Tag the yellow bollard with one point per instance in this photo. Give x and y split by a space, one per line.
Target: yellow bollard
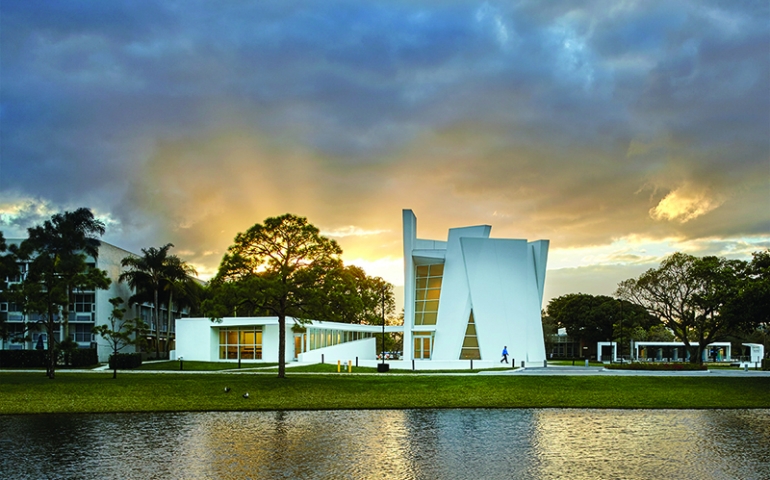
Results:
338 366
350 366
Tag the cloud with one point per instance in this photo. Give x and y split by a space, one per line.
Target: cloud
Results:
351 231
686 203
586 123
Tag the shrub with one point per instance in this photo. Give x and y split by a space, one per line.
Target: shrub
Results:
126 361
656 366
83 357
23 358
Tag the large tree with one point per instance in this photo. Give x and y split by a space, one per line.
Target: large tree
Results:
594 318
352 296
278 267
153 273
9 269
58 252
690 294
750 305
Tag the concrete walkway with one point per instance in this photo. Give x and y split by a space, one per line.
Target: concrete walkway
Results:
601 371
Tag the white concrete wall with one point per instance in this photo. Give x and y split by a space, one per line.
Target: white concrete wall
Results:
505 298
197 340
455 301
109 260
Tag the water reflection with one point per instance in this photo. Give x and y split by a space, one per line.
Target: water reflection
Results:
652 444
408 444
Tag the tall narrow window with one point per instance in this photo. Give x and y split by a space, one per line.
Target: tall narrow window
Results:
470 349
427 292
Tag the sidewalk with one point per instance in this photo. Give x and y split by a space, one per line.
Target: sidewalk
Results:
583 371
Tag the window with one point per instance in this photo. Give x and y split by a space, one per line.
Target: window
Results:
427 292
240 343
423 343
470 350
84 302
81 332
320 337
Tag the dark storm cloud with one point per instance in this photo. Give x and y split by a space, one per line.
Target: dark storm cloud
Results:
582 122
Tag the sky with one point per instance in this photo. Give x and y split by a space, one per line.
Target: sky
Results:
622 131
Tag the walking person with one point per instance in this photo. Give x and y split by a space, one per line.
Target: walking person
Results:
505 355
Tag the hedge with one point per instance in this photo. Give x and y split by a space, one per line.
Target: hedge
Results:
23 358
656 366
82 357
126 361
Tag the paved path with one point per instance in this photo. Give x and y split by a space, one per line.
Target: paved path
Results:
553 370
583 371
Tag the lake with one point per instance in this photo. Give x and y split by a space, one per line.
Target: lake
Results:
400 444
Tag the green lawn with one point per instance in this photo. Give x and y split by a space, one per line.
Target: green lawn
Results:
22 392
195 366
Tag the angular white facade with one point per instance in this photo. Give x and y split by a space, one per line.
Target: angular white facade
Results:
471 295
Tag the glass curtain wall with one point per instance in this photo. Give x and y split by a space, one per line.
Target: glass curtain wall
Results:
427 291
324 337
243 343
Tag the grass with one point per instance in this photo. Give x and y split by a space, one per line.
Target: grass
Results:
195 366
27 393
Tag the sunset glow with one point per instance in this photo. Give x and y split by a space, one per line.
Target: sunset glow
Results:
620 131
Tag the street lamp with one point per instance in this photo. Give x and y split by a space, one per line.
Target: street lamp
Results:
383 367
620 350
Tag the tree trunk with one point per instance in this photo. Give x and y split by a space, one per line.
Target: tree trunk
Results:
281 345
168 322
51 369
156 315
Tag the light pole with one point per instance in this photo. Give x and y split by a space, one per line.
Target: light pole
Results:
382 297
383 367
620 350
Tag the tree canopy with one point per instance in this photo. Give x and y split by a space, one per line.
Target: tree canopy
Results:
57 253
595 318
703 299
286 268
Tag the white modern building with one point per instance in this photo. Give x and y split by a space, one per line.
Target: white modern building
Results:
255 340
470 295
466 298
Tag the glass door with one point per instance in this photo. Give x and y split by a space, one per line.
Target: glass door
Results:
422 347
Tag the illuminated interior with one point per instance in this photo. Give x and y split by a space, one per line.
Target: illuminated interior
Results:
427 292
243 343
470 349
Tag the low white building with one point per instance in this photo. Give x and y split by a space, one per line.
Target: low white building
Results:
255 340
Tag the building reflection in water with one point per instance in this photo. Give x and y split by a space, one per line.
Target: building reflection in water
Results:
298 444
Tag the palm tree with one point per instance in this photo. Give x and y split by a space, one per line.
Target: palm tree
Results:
152 274
145 275
178 281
